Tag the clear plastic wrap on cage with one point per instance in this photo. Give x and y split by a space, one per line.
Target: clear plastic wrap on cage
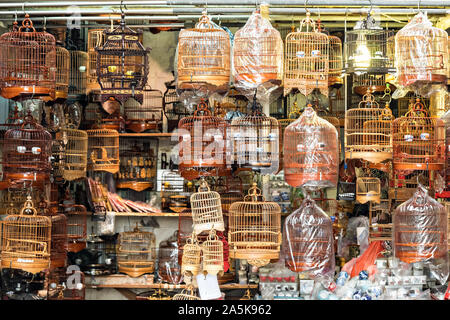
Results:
420 233
107 227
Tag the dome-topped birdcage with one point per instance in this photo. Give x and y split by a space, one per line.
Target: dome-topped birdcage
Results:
95 38
103 150
78 72
418 140
27 62
202 147
192 256
126 76
257 54
203 56
255 141
62 73
368 131
254 229
306 63
148 116
311 152
421 52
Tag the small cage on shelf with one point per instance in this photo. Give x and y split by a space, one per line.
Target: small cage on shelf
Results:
62 73
78 72
148 116
186 294
103 150
169 271
192 256
380 221
368 189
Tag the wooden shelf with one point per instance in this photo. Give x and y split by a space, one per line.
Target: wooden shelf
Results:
158 214
148 135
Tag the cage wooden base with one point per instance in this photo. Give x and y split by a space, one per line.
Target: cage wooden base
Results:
335 81
60 95
362 90
26 176
11 92
76 246
214 270
136 269
374 157
254 254
257 77
135 185
141 126
415 78
297 180
186 82
368 197
31 266
418 166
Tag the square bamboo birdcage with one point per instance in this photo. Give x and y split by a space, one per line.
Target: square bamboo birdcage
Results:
148 116
306 63
26 240
255 229
192 256
212 250
380 221
62 73
368 131
136 252
418 140
65 284
78 72
368 189
72 149
206 209
204 56
103 150
96 38
27 62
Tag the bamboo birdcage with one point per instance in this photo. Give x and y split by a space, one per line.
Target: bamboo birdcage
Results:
173 108
78 72
76 225
418 140
255 141
335 61
192 256
368 189
368 131
293 115
147 116
203 56
206 209
62 73
212 250
439 103
136 252
255 229
257 54
27 62
186 294
233 192
169 270
58 252
26 240
364 83
311 154
202 139
421 53
103 150
26 152
306 63
96 38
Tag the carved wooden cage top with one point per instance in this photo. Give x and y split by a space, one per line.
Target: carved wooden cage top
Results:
147 116
62 72
103 150
27 62
78 72
71 153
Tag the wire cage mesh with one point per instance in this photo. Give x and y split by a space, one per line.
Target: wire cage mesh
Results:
203 56
202 149
255 229
192 256
65 284
26 240
380 221
136 252
148 116
62 73
206 209
212 250
71 153
232 192
418 140
27 62
95 38
78 72
368 189
368 131
169 271
335 59
103 150
306 63
311 152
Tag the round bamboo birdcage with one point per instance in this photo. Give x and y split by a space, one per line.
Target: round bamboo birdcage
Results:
206 209
103 150
368 189
96 38
78 72
255 141
255 229
311 154
148 116
62 73
212 250
26 152
257 54
203 56
136 252
26 240
186 294
368 131
202 139
192 256
421 53
76 226
418 140
306 63
27 63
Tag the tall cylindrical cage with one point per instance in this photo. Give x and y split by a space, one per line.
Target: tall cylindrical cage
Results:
335 62
71 153
76 224
103 150
212 250
62 73
192 256
148 116
78 72
96 38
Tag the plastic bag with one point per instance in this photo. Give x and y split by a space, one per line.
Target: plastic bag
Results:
420 233
366 260
168 268
308 241
107 227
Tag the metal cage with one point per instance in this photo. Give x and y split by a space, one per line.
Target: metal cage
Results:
103 150
206 209
78 72
148 116
71 155
62 73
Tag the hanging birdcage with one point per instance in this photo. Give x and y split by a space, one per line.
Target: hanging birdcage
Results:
368 189
65 284
27 63
122 64
78 72
202 148
364 83
203 56
103 150
406 102
255 141
418 140
62 73
186 294
335 61
212 250
192 256
147 116
233 192
308 241
173 108
26 240
439 103
311 154
76 225
136 252
96 38
255 229
421 53
257 54
169 271
402 185
306 63
26 152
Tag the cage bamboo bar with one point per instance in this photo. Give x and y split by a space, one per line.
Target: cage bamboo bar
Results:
103 150
62 73
76 224
96 38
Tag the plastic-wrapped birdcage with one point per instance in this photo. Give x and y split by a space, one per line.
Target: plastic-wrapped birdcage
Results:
27 62
78 72
306 62
368 189
192 256
148 116
103 150
368 131
421 52
62 73
308 241
212 250
169 271
257 55
311 152
206 209
420 233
